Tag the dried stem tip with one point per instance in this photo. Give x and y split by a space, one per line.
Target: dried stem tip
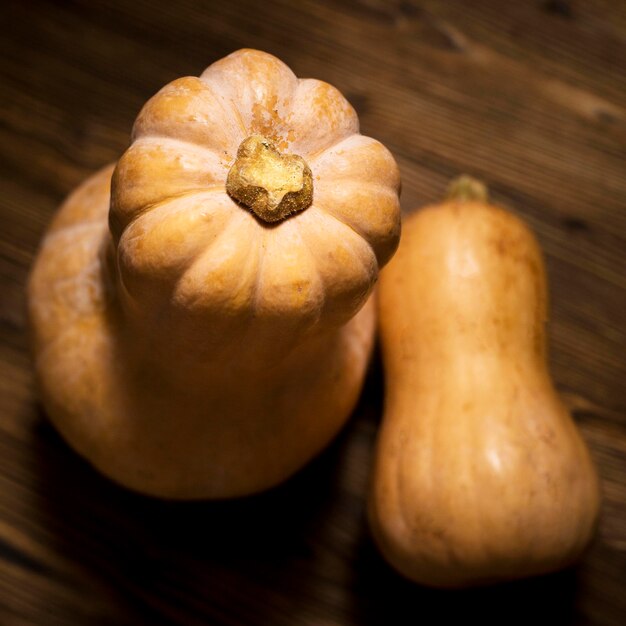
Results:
467 189
272 185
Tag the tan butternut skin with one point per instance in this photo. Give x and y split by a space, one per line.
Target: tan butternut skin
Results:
161 415
201 325
480 474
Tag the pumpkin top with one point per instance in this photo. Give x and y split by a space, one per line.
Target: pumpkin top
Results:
251 191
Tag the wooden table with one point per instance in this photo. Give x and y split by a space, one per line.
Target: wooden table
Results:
529 96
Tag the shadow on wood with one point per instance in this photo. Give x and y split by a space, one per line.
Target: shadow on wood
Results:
292 555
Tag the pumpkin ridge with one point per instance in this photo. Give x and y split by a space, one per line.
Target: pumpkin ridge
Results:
256 295
318 276
148 121
245 131
204 196
357 148
315 213
233 225
367 208
246 336
151 171
159 203
234 113
187 142
369 187
326 110
307 277
129 271
243 60
336 145
312 157
330 213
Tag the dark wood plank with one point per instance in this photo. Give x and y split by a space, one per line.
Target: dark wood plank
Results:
529 96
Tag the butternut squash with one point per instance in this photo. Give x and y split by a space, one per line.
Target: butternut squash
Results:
200 311
480 473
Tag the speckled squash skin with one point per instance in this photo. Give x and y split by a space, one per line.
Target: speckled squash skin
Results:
480 474
185 347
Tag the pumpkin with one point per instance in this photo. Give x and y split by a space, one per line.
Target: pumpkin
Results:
480 473
201 311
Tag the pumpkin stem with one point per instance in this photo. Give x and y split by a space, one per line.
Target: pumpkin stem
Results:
272 185
467 189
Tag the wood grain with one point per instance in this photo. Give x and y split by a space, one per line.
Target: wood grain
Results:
529 96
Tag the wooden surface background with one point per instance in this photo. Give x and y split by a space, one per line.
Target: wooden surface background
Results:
530 96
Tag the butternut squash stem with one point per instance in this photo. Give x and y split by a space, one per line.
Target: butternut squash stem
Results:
467 189
270 184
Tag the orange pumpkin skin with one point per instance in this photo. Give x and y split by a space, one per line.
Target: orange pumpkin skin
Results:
480 475
185 347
